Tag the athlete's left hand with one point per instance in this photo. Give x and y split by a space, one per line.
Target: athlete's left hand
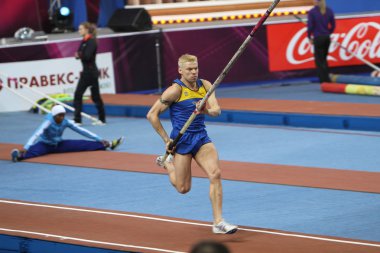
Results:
202 110
106 143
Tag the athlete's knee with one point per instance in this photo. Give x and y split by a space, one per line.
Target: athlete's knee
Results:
183 189
215 174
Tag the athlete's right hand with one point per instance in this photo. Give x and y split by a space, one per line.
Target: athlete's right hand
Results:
168 149
77 55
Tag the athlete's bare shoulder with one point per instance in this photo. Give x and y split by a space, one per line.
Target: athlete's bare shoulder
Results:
206 84
171 94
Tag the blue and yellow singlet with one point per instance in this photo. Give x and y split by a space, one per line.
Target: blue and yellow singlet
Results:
181 110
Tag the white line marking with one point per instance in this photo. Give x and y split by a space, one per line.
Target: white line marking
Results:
192 223
312 237
62 237
104 212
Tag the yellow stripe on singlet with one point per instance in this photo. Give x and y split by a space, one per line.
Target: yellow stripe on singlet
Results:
191 94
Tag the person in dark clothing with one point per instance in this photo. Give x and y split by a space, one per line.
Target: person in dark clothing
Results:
89 75
320 24
209 246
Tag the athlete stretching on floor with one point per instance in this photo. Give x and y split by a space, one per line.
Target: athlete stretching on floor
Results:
48 138
181 99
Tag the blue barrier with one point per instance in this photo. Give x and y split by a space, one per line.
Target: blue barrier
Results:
260 118
355 79
17 244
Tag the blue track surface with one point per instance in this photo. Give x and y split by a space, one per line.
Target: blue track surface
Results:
324 148
299 209
316 211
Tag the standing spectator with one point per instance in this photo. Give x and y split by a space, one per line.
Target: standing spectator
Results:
320 25
90 73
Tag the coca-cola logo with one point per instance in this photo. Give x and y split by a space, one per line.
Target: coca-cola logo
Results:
361 41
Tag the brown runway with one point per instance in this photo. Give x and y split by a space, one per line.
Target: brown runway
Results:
349 180
146 233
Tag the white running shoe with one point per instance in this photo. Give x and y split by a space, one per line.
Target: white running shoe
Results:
98 123
224 227
159 161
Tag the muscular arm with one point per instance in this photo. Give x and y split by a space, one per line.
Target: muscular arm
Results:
161 105
332 22
310 25
37 134
83 131
213 108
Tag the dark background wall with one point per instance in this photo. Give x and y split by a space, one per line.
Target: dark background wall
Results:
34 13
135 56
21 13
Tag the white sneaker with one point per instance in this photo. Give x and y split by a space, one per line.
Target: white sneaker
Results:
224 227
159 161
98 123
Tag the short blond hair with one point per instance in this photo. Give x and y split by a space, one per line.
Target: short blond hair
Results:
186 58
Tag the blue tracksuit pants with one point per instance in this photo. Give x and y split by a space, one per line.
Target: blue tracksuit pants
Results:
41 148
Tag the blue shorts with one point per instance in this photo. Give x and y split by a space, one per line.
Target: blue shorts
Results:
190 143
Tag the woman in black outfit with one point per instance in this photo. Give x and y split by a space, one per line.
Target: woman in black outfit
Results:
320 26
90 74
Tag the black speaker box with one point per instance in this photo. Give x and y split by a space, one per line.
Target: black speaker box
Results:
130 20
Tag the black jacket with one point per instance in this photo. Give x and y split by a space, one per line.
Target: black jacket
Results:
87 54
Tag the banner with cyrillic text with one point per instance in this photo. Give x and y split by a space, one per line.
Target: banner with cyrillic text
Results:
51 76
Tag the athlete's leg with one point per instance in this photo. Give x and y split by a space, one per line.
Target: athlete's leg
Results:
78 97
38 149
79 145
207 159
180 172
95 96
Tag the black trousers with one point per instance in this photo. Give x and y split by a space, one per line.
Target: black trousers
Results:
88 79
321 50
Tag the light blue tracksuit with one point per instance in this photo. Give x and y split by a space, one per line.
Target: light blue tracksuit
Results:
48 139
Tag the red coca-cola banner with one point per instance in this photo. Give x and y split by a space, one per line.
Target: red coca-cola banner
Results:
289 47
